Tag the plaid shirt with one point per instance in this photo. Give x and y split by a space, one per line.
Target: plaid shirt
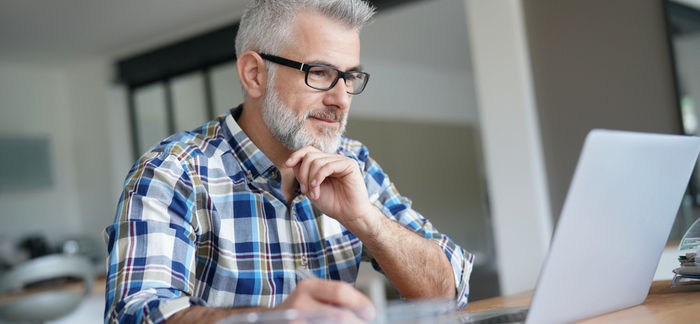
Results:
202 220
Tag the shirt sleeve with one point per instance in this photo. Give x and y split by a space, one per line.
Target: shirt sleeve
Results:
383 195
151 245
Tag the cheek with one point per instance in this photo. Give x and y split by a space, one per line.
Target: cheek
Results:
299 97
304 102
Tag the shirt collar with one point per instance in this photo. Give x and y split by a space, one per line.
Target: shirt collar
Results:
250 157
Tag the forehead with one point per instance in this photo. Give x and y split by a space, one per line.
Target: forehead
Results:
318 38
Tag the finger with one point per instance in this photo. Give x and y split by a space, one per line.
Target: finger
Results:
302 186
302 172
301 160
298 155
327 167
340 294
319 169
313 310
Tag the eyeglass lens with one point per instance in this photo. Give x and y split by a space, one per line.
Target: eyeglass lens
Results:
322 78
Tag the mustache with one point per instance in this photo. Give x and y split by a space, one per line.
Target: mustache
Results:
328 113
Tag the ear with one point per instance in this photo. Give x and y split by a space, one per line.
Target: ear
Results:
252 72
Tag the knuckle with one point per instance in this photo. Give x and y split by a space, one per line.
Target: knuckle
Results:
316 163
308 162
324 170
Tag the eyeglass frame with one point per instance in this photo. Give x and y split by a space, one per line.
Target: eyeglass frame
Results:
306 67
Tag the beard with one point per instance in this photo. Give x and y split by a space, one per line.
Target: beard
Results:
289 127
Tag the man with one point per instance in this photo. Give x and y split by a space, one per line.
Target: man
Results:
221 220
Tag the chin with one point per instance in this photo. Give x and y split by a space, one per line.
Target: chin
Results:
327 144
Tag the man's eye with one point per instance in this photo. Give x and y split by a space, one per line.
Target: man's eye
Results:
319 73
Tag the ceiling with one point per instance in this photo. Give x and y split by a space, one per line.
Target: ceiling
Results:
54 31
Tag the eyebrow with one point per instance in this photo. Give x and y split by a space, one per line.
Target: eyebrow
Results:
357 68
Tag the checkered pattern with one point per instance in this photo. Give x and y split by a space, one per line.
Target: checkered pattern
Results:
202 220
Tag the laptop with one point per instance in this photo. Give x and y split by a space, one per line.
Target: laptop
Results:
616 219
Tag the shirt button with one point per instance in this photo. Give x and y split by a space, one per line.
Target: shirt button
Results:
274 175
303 262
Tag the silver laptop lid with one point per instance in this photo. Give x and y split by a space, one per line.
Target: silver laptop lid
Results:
616 219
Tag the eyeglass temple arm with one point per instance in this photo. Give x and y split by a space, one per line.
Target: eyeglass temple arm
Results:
283 61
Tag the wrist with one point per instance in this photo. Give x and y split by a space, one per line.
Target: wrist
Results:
368 224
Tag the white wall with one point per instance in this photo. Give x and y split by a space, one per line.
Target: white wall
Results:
79 110
34 101
419 64
99 135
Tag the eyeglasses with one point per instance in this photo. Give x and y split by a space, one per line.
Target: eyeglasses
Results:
324 77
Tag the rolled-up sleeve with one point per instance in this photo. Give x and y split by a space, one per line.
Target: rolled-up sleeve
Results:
152 244
383 195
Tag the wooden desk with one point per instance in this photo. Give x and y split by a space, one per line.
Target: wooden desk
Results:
663 305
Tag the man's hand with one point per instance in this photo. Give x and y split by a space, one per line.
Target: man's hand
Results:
336 301
331 300
416 267
336 186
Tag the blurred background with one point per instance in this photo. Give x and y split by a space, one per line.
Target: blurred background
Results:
476 109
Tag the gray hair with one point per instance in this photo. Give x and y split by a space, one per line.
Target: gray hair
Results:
267 25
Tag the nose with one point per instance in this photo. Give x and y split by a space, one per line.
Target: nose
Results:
338 96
